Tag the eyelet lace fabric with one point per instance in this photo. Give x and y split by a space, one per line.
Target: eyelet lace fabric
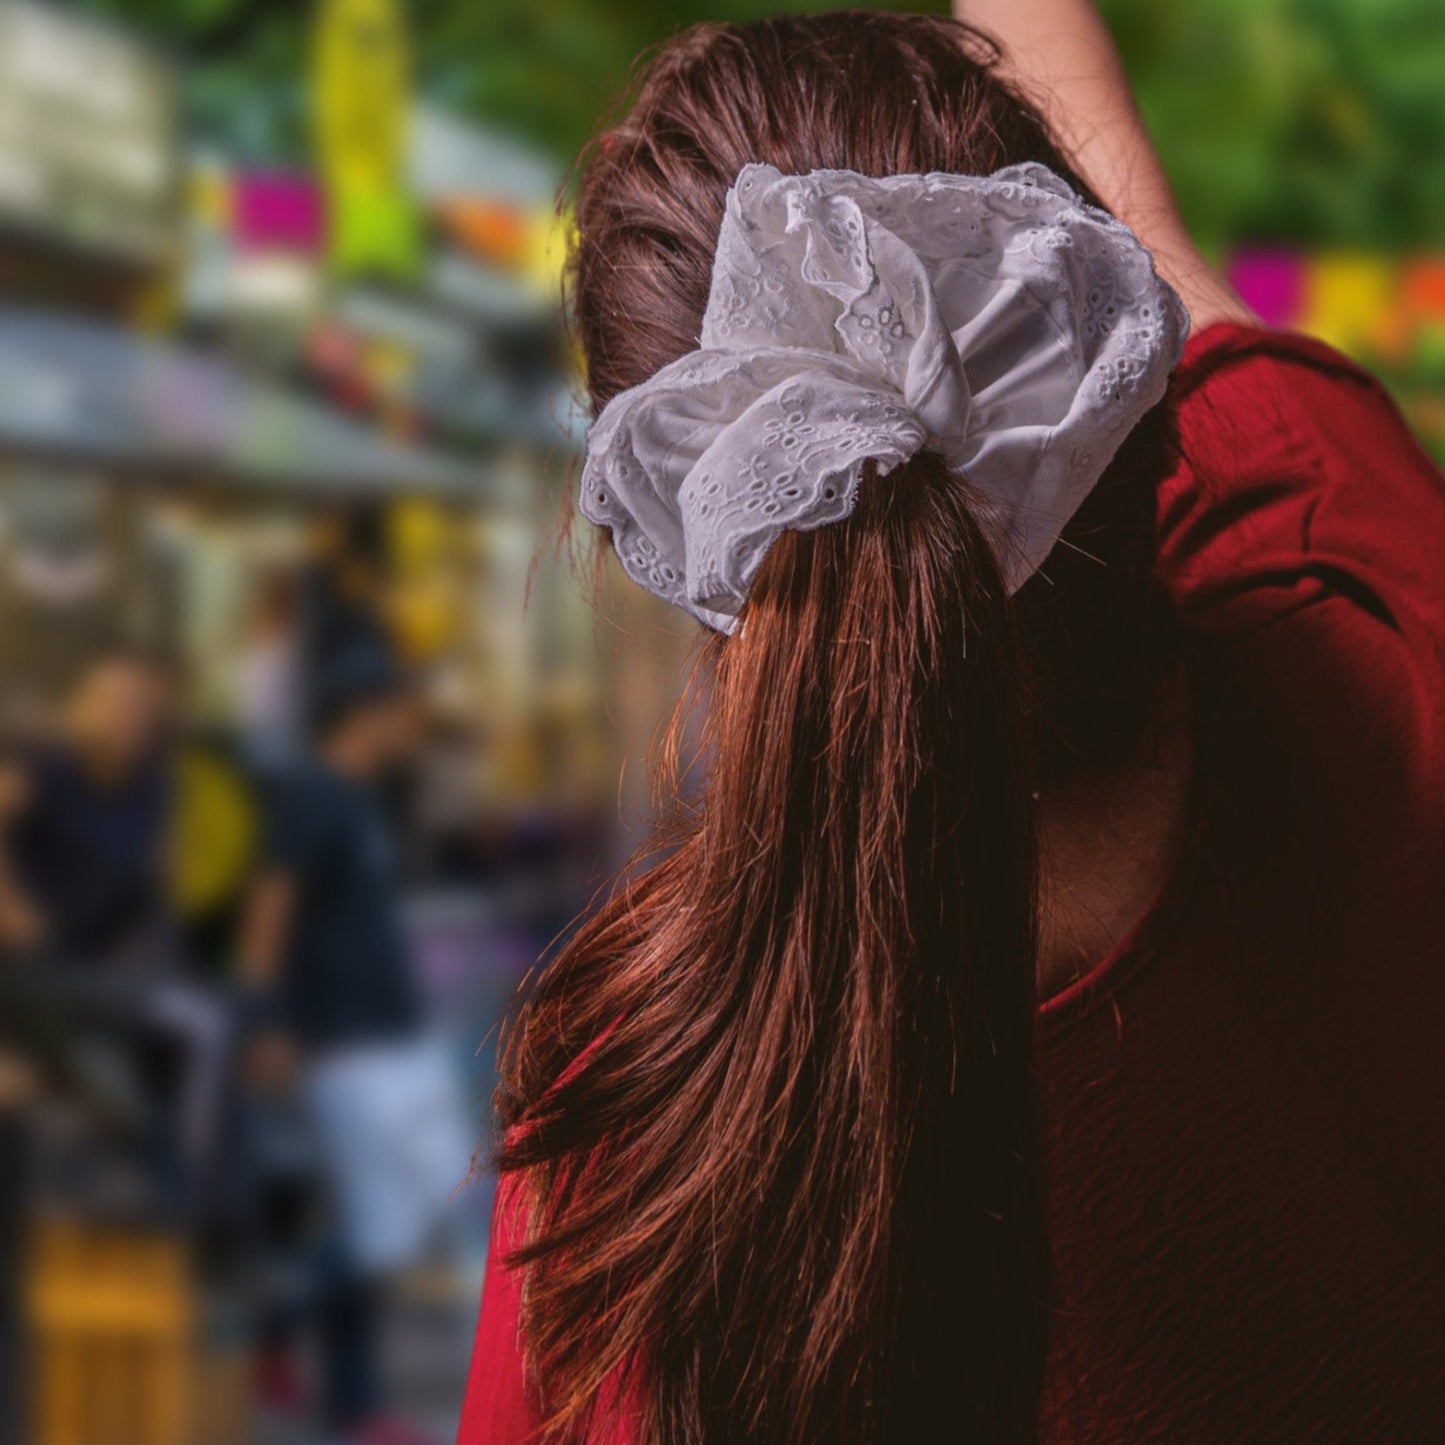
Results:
999 320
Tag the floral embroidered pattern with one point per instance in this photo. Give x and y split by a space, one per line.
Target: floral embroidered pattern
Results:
999 320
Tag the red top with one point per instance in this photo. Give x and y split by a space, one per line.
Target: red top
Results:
1245 1102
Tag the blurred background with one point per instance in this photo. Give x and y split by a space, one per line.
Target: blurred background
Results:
313 736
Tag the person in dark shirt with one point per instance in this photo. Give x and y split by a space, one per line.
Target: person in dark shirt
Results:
323 943
86 923
84 815
344 976
338 1020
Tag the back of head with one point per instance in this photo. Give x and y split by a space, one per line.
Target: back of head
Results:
866 91
773 1107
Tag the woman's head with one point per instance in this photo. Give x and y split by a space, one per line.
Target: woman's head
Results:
772 1107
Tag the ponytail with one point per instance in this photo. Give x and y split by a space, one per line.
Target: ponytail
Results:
771 1112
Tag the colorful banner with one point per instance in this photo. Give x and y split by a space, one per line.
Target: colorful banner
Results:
362 96
1387 312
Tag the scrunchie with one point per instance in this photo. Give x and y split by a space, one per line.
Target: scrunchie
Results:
999 320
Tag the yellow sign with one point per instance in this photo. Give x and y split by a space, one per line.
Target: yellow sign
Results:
1348 299
363 82
214 831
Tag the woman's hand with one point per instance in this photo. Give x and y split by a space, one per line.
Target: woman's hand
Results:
1059 53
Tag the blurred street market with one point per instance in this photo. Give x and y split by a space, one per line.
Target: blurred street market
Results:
318 725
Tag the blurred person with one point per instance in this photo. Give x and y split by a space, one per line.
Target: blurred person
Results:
1033 1030
84 814
338 1017
85 913
344 589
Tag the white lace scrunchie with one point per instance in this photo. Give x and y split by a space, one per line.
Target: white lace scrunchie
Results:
999 320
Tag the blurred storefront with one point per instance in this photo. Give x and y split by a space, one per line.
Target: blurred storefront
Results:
210 371
243 408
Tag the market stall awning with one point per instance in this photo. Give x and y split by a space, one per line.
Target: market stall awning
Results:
80 389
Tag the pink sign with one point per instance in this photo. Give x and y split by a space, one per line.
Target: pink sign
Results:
275 211
1272 283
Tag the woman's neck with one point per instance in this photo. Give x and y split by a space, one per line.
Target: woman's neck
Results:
1108 843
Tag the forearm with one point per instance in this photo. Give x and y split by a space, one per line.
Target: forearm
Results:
265 930
20 920
1061 55
22 923
271 1059
11 891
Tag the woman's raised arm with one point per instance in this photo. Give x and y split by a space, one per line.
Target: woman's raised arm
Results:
1060 53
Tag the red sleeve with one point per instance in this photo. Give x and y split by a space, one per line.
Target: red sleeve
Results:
500 1408
1298 477
1300 484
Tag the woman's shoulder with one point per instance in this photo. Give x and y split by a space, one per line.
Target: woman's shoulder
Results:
1296 475
1248 400
1302 539
1262 352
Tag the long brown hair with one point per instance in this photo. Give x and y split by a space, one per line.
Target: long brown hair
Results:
772 1110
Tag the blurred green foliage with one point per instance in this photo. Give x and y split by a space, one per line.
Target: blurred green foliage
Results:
1315 122
1308 121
